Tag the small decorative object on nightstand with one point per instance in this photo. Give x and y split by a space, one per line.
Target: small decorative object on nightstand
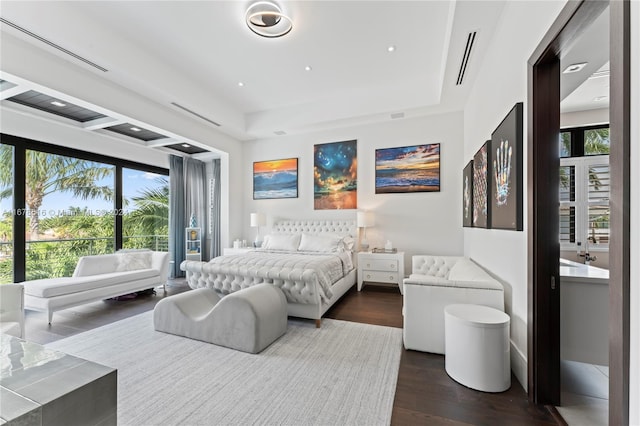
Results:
381 268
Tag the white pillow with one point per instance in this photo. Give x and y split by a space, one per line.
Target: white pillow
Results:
133 261
281 242
324 243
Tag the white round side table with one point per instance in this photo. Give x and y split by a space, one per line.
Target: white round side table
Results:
477 347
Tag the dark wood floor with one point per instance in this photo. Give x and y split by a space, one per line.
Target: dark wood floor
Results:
425 394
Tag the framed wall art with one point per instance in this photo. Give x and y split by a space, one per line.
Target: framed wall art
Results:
481 207
335 175
467 195
408 169
506 173
275 179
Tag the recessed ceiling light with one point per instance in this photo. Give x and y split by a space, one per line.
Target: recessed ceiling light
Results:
135 129
308 68
599 98
58 104
186 145
574 68
391 48
240 84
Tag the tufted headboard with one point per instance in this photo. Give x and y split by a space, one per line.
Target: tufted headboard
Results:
290 226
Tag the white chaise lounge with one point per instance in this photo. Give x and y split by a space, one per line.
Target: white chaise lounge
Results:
96 278
435 283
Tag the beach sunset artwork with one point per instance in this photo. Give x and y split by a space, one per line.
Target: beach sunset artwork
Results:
335 177
408 169
275 179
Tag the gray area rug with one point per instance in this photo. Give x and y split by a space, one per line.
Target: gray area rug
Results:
344 373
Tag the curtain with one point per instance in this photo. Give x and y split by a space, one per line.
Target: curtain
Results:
195 183
216 249
177 217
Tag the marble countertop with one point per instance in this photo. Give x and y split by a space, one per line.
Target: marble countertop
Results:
579 272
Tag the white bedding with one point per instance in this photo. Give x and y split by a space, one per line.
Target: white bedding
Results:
303 276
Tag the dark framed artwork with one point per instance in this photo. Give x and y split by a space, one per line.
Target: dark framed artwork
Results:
275 179
335 175
481 206
467 195
506 174
408 169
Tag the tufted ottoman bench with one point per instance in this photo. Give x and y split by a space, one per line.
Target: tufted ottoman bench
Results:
438 281
248 320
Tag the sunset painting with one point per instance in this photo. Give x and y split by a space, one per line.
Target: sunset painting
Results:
408 169
275 179
335 184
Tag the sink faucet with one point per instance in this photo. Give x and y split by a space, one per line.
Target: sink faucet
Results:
587 257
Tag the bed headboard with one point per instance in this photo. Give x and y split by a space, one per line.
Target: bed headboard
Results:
289 226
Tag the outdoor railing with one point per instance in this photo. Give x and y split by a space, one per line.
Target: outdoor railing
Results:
58 258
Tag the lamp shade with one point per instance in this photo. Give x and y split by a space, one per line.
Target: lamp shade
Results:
365 219
258 219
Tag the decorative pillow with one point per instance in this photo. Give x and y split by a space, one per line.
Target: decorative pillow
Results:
287 242
133 261
324 243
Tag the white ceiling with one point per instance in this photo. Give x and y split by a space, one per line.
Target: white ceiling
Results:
194 53
588 88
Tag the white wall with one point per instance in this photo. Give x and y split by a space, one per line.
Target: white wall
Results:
634 369
502 82
584 118
428 222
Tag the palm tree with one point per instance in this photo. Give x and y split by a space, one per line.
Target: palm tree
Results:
49 173
151 211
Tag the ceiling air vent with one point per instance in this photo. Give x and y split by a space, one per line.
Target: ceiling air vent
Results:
202 117
397 115
280 132
52 44
471 38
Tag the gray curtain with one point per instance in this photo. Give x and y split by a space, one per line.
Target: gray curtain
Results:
216 249
195 181
177 215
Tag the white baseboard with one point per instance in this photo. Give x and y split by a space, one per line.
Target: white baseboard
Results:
519 365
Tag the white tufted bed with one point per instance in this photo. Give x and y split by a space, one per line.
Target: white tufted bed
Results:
311 261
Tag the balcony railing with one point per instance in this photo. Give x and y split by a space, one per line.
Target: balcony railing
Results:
58 258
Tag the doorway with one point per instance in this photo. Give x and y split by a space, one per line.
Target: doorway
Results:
543 215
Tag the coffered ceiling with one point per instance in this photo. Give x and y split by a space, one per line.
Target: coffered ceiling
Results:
344 62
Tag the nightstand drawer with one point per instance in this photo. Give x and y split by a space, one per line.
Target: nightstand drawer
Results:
380 276
380 264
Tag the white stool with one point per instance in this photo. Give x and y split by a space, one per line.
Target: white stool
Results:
477 347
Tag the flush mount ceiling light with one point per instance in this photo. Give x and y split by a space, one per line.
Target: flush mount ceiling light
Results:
574 68
267 20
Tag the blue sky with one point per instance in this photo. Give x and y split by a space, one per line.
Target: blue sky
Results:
134 182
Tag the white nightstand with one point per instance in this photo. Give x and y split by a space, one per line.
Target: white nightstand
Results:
230 250
381 268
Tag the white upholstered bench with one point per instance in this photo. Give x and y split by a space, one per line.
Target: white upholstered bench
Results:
248 320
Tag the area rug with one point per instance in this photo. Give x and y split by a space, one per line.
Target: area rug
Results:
344 373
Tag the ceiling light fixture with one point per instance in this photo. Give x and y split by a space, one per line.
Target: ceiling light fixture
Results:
391 48
574 68
240 84
267 20
186 145
308 68
135 129
58 104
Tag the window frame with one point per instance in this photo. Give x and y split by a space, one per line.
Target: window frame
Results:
21 145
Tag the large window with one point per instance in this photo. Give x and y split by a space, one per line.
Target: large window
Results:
6 208
584 188
145 222
75 204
